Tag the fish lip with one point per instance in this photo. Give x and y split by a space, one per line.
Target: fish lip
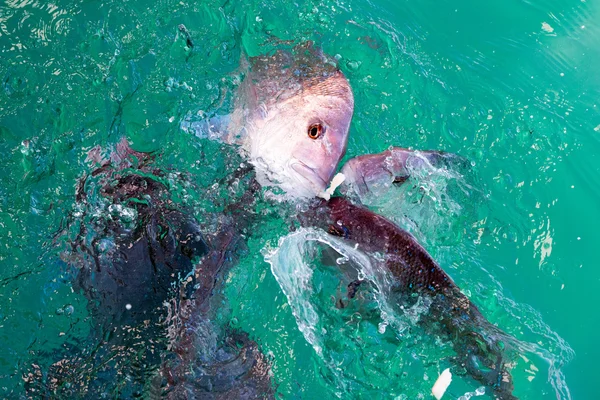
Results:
302 169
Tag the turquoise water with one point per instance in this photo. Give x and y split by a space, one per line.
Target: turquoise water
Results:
512 86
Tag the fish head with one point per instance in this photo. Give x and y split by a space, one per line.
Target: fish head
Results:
299 143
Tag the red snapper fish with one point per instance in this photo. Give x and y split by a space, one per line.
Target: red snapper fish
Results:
291 118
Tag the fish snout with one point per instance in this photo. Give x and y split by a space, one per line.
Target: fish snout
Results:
310 176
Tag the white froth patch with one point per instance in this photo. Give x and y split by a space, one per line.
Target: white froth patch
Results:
547 28
442 383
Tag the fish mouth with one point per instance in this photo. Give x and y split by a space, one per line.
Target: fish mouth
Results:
317 183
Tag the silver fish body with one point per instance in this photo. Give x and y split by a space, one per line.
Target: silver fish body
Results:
291 119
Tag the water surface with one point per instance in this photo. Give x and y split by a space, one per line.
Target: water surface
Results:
512 86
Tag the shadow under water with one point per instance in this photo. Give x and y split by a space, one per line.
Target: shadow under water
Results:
149 274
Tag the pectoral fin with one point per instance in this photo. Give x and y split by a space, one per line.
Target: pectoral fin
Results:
218 127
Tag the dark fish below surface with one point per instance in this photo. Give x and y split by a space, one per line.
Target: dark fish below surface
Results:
479 345
149 271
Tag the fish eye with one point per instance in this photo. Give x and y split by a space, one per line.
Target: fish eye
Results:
315 131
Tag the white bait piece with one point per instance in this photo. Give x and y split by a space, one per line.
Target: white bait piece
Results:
337 180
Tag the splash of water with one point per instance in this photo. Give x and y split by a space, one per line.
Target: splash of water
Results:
308 294
378 323
439 196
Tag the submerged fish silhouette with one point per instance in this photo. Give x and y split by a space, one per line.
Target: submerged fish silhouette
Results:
479 344
149 272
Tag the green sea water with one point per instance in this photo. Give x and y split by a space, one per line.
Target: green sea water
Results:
510 85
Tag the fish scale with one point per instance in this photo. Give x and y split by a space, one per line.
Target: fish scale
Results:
479 344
